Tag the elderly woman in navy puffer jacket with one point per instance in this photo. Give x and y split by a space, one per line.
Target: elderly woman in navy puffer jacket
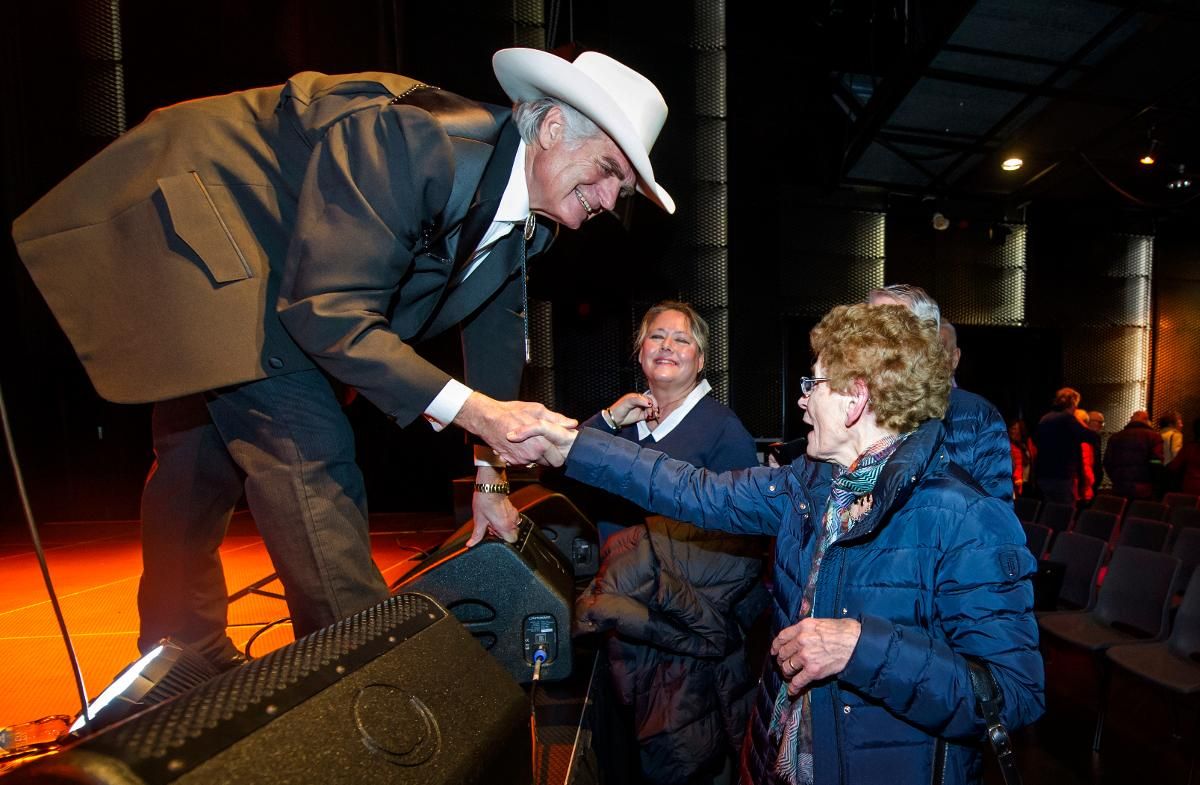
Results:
892 566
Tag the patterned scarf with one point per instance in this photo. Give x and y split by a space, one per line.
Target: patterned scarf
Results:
791 723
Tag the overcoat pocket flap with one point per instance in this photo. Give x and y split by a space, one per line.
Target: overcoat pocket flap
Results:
198 223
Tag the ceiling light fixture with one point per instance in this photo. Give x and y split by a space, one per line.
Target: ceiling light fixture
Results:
1151 154
1012 164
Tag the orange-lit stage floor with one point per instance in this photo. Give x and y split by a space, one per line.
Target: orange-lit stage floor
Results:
95 567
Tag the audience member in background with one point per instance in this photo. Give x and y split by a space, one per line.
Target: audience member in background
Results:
677 656
975 432
1185 467
1089 453
949 337
1096 425
1060 439
893 570
1023 455
1131 457
1170 428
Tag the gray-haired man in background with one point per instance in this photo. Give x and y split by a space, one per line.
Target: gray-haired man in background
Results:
975 435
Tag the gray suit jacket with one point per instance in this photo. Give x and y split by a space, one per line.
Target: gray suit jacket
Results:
236 237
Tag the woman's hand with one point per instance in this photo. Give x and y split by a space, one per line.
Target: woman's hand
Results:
813 649
560 440
633 407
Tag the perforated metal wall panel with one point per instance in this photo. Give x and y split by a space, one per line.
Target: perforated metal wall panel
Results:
102 97
529 24
1106 345
986 287
538 381
709 156
1177 342
709 96
827 257
708 26
694 268
707 224
831 257
588 352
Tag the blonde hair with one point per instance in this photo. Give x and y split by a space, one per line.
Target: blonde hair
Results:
901 361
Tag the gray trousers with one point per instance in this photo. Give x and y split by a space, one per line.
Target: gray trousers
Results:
285 442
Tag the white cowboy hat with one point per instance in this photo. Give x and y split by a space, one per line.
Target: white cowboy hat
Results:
626 105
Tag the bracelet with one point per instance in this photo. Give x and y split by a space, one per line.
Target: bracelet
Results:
492 487
609 420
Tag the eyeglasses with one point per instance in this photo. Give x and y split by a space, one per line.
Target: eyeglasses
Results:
807 383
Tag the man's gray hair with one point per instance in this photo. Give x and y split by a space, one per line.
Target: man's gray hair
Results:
529 115
914 297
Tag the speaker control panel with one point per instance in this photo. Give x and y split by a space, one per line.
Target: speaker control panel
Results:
541 634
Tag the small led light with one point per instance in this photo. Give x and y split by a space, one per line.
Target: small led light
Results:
1151 155
1012 164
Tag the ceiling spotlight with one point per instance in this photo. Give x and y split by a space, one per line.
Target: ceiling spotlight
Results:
1151 154
1012 164
1181 182
940 222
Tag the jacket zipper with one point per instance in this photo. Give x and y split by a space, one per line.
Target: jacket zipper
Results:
834 690
939 762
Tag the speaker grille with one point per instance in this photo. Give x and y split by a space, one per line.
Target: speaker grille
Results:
256 693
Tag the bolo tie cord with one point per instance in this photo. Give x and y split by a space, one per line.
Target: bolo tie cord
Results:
530 228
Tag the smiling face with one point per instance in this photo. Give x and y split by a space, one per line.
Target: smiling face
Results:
826 411
570 182
668 354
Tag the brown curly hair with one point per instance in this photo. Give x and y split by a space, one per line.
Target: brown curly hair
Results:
899 357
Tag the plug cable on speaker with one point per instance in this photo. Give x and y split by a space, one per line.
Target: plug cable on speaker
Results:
539 656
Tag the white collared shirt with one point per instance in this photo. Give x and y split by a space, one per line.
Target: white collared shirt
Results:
674 418
513 210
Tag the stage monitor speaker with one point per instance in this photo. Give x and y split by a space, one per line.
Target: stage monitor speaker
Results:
399 693
514 598
570 531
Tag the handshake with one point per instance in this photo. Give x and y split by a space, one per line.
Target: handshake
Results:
520 432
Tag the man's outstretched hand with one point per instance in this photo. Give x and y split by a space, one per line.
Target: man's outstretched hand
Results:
494 420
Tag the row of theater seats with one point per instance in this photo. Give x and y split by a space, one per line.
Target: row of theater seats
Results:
1142 524
1118 582
1175 508
1136 621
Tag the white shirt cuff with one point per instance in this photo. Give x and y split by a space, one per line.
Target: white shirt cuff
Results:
449 402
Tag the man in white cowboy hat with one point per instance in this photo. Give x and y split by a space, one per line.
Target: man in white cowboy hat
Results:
237 259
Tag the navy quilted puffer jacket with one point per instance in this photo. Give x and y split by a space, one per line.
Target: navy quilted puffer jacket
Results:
935 572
